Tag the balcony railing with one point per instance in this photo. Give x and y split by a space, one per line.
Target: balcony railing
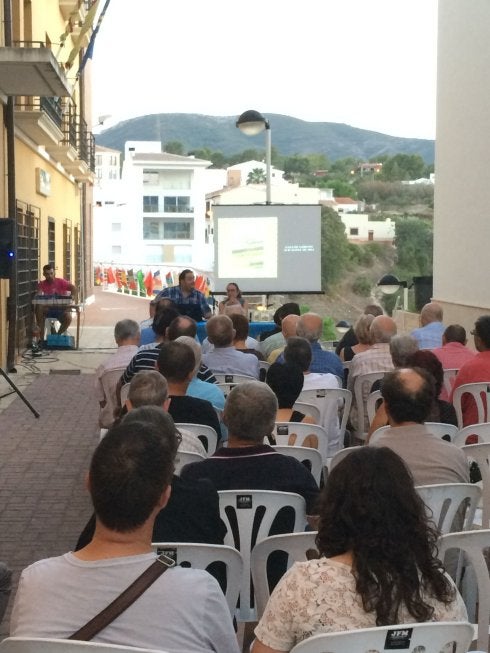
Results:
171 208
86 144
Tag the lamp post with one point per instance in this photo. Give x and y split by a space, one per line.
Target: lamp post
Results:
251 123
389 284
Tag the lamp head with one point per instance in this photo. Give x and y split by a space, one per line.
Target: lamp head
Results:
252 122
389 284
343 326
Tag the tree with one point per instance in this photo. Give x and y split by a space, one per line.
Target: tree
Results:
174 147
402 167
413 242
256 176
335 253
297 165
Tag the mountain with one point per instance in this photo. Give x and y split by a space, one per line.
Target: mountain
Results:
289 136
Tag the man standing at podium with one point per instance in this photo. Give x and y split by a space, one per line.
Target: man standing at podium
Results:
57 288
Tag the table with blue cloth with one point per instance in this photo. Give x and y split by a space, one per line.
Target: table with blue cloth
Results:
254 329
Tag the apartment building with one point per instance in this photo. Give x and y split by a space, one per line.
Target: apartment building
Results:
47 154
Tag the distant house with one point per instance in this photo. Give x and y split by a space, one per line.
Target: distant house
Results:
359 229
348 205
237 174
369 167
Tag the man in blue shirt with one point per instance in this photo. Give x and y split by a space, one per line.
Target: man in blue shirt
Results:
310 326
185 294
429 334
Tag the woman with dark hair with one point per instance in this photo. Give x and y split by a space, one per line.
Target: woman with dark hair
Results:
234 303
286 381
377 563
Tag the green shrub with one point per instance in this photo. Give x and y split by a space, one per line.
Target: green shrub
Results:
361 286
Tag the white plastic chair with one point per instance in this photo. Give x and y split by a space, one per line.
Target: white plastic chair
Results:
239 509
233 379
372 404
334 405
481 431
51 645
444 501
200 556
430 637
304 454
206 434
183 458
109 380
474 545
124 393
340 455
294 544
308 409
283 430
480 453
362 389
442 430
476 390
448 378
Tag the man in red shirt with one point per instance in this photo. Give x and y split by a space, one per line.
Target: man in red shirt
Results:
55 287
475 370
453 354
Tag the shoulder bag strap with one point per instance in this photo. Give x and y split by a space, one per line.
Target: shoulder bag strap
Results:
124 600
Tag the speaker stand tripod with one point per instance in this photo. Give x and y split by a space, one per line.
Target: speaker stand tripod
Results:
16 389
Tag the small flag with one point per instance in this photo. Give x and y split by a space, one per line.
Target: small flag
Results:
118 278
169 280
157 281
132 285
110 276
149 283
124 278
140 278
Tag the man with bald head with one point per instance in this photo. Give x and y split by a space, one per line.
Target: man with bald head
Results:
225 359
408 396
429 334
288 330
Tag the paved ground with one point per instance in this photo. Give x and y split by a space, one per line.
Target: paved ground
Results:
43 503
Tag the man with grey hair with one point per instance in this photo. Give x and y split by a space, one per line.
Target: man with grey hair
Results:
248 463
310 326
198 388
127 337
429 334
401 348
225 359
150 388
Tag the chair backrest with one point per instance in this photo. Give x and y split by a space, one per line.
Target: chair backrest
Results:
448 378
294 544
362 390
475 545
377 433
444 502
480 453
201 556
446 431
233 379
51 645
340 455
109 380
372 404
431 637
481 433
206 434
124 393
241 510
308 409
309 457
283 431
479 392
334 405
183 458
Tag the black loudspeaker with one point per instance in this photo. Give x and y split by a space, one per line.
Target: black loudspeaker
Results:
7 247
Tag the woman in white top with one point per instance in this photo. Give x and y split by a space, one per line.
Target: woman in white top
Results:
234 303
378 563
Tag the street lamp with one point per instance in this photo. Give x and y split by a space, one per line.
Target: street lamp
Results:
389 284
251 123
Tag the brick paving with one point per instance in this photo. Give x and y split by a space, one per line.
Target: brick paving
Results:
43 462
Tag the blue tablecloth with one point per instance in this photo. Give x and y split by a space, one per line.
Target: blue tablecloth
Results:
254 329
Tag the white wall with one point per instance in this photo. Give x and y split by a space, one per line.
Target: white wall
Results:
383 230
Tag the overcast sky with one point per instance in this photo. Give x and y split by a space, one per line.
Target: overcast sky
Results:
367 63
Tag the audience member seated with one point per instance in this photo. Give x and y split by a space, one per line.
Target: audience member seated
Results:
454 353
270 340
475 370
248 463
184 609
224 358
5 587
186 326
289 325
197 388
127 337
234 304
192 512
286 382
176 362
409 395
349 338
380 570
240 325
429 334
155 334
363 336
